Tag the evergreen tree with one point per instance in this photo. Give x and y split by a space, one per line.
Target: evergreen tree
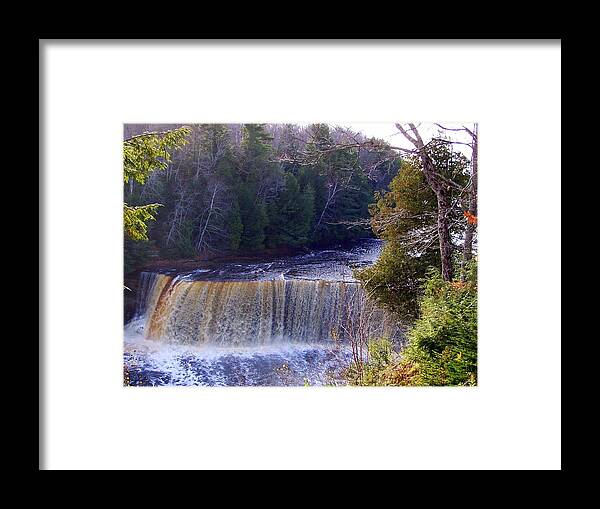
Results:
235 226
254 218
342 190
257 164
290 215
406 217
349 210
269 185
142 155
310 178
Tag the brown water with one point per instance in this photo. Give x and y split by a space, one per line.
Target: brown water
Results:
283 322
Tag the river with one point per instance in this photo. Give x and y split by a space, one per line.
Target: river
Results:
283 322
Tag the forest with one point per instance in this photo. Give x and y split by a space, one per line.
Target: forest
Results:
201 191
239 189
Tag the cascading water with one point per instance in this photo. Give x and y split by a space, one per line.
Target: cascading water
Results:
246 313
250 324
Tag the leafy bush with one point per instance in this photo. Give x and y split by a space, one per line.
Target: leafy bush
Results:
442 344
443 341
395 280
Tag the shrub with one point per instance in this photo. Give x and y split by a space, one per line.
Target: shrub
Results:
377 370
443 341
442 344
395 280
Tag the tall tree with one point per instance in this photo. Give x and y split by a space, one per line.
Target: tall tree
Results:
347 190
406 217
442 188
290 215
257 180
254 218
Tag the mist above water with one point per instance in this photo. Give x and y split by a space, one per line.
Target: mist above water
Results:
152 363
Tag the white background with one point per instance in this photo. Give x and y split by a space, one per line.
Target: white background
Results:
512 420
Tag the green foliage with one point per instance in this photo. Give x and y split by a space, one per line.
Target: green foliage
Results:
399 216
256 144
254 218
310 178
136 253
149 152
350 207
406 217
135 220
408 204
342 191
235 227
443 341
183 245
256 158
407 212
394 281
442 344
290 215
274 188
379 370
380 352
142 155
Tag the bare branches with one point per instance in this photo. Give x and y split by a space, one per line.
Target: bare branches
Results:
360 324
153 133
452 142
463 128
305 158
406 135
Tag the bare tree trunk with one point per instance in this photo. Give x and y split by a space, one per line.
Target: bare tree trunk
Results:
330 197
177 214
443 201
210 211
468 246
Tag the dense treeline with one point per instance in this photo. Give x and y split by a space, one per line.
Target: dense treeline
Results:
239 188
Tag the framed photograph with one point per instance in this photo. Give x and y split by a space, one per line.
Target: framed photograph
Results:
257 254
293 254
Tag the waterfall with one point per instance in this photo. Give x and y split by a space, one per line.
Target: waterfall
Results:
147 280
244 313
